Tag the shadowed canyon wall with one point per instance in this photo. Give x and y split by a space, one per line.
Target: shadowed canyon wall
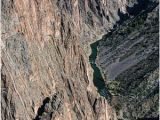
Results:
128 57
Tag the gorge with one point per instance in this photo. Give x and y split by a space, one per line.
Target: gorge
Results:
79 59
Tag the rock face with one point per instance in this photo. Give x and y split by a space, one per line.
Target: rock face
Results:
128 57
50 108
42 55
46 74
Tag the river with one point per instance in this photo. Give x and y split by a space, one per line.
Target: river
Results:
97 75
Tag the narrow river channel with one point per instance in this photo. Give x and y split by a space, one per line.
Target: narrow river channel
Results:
97 76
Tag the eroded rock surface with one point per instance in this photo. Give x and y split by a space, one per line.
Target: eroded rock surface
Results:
44 51
45 71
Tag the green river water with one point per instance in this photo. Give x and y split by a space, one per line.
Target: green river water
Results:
97 76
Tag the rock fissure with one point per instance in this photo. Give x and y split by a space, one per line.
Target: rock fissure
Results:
50 108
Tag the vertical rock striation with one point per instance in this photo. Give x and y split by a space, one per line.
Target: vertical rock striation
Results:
45 71
44 53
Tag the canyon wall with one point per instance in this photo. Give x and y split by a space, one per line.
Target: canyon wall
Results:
45 71
128 57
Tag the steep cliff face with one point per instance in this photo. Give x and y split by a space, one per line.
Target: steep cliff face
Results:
46 74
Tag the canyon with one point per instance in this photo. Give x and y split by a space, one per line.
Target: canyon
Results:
79 59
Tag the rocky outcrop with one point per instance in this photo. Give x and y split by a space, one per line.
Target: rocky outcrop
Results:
45 71
51 107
